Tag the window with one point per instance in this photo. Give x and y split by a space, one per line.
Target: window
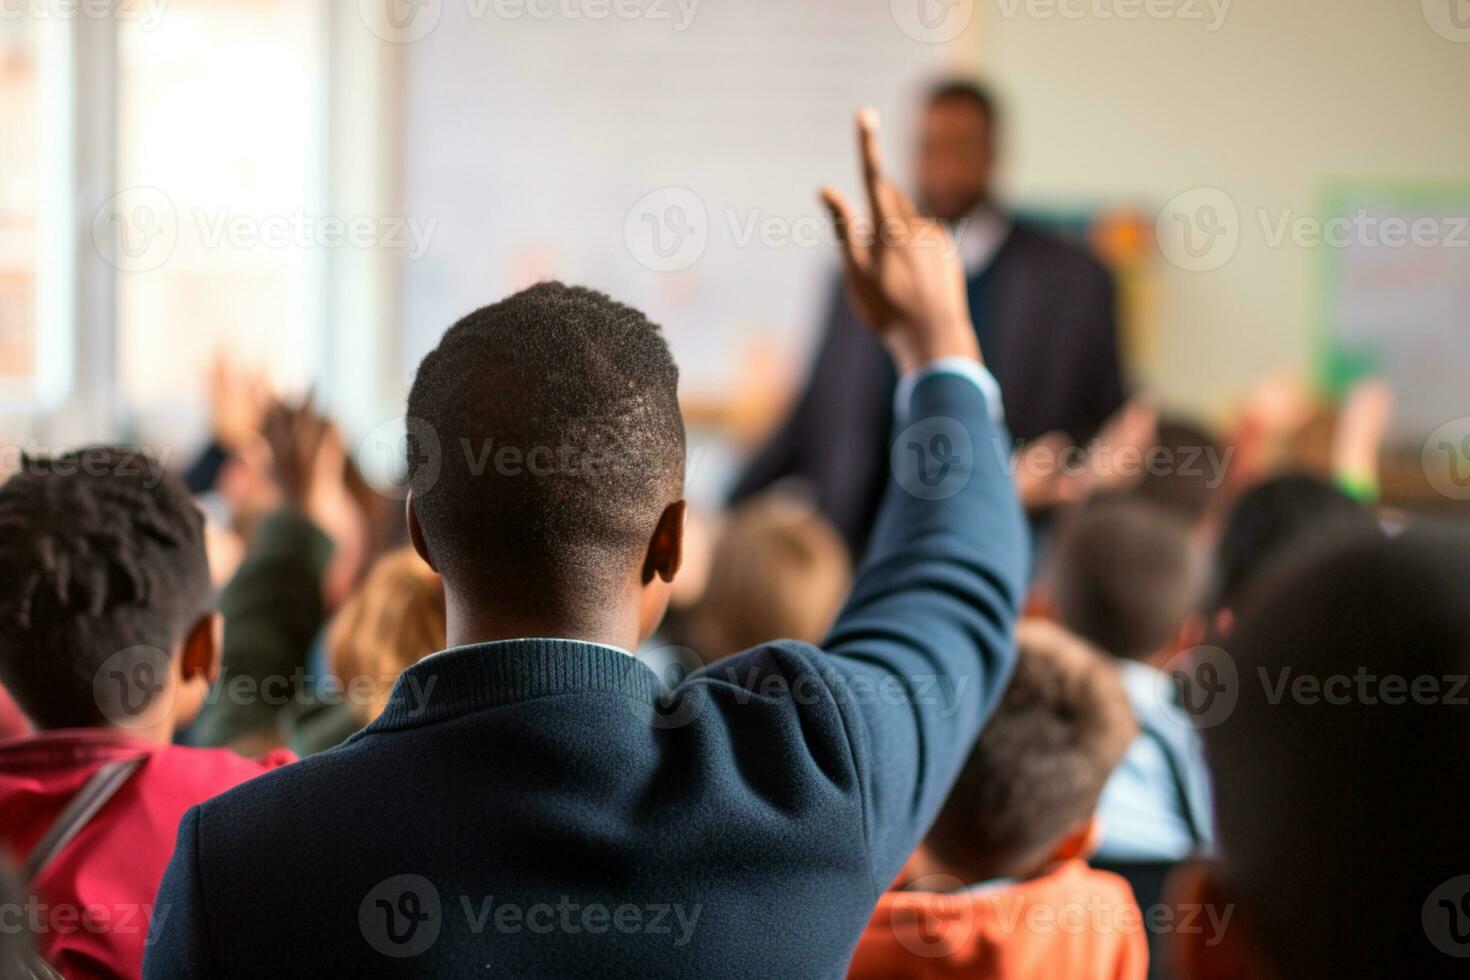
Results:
35 140
220 109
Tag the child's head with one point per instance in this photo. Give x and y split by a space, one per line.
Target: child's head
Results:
1275 519
779 571
1026 796
1341 780
546 464
1127 576
105 597
393 620
1184 471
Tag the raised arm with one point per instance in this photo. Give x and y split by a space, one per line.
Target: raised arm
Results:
924 646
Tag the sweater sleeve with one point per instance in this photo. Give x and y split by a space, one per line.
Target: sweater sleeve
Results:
924 647
272 610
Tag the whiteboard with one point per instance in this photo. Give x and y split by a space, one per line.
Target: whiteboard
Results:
1398 302
531 142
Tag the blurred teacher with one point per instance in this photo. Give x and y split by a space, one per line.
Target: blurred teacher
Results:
1043 310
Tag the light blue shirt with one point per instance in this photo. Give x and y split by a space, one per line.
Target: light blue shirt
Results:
963 367
1156 806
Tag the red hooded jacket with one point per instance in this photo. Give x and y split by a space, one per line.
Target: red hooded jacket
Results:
91 907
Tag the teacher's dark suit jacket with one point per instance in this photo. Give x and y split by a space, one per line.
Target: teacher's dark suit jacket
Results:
1044 311
536 807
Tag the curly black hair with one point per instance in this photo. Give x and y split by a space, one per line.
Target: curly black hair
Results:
545 440
101 552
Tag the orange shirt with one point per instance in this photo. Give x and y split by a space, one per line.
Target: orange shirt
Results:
1072 921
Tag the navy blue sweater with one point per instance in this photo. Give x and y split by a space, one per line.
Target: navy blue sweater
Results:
534 808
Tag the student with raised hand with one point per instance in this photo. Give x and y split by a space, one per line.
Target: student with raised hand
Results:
527 805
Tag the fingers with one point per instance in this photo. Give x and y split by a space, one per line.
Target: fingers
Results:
854 255
879 199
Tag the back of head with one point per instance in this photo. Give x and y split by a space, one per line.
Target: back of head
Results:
395 619
545 440
1185 468
1341 775
102 561
1125 574
1277 518
1039 766
779 571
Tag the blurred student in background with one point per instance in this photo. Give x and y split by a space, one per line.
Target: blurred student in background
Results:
1340 772
779 571
394 620
1010 847
1128 577
109 642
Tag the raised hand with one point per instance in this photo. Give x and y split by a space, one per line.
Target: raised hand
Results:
903 271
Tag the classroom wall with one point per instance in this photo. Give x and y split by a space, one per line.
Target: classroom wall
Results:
1264 99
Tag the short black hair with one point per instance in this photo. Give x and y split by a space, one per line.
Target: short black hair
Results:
1125 574
1040 764
1276 518
101 553
1341 810
545 440
969 91
1185 484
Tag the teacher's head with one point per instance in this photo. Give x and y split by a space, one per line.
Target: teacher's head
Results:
956 149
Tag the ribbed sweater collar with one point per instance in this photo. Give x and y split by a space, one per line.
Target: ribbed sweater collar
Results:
466 679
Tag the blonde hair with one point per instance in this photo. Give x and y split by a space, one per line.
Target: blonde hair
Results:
779 571
395 619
